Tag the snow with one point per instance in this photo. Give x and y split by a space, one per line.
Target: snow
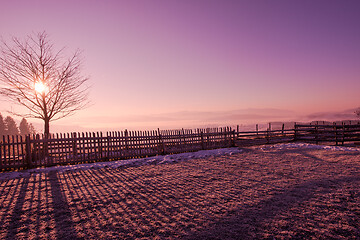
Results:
281 146
161 159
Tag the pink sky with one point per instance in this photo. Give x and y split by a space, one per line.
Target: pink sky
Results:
149 61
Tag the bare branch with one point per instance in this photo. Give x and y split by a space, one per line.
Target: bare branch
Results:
25 63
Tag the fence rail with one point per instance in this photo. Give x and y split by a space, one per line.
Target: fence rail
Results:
336 133
18 152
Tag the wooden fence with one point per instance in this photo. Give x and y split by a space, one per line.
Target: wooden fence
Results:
17 152
335 133
317 132
270 135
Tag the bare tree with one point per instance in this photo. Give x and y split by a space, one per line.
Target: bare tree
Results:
40 79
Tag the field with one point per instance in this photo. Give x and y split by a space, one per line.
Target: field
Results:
265 192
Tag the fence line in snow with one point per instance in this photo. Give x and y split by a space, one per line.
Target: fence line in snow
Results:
336 133
18 152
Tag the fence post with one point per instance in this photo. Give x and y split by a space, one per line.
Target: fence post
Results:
223 133
108 145
257 129
336 135
28 151
161 141
230 132
183 133
316 133
208 132
295 132
343 134
100 140
234 138
126 139
268 133
74 145
202 140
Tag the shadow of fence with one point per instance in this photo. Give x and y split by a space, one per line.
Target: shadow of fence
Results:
255 197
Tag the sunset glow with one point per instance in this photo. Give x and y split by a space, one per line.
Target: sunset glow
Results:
174 64
40 87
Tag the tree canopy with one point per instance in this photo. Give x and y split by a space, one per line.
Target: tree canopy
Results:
40 79
26 128
8 126
2 125
11 127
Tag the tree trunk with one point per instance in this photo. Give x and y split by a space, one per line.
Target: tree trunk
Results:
46 127
46 136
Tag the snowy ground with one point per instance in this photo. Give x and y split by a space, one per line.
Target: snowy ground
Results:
170 158
310 146
160 159
280 191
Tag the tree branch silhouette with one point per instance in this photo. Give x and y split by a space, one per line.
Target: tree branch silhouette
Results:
34 60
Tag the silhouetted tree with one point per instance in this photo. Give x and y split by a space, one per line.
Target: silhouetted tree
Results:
2 126
39 78
10 126
24 127
358 112
32 129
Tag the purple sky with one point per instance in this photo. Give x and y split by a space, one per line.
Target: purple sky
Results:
149 58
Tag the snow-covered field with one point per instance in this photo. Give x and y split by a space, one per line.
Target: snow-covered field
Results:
279 191
160 159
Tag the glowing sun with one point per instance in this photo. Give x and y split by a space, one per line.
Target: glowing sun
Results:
40 87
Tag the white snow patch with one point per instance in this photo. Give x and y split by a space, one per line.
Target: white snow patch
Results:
160 159
281 146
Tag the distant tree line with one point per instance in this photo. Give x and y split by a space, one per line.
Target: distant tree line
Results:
8 126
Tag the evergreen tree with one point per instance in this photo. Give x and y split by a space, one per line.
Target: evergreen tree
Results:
32 129
2 126
11 127
24 127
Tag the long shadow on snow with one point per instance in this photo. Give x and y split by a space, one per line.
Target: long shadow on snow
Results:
247 222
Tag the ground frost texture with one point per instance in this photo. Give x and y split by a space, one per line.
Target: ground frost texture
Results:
267 192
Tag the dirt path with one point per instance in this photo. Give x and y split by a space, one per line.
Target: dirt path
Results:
291 193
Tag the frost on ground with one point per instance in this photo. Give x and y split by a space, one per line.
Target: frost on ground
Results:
160 159
309 146
277 191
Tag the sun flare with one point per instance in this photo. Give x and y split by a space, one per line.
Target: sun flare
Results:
40 87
